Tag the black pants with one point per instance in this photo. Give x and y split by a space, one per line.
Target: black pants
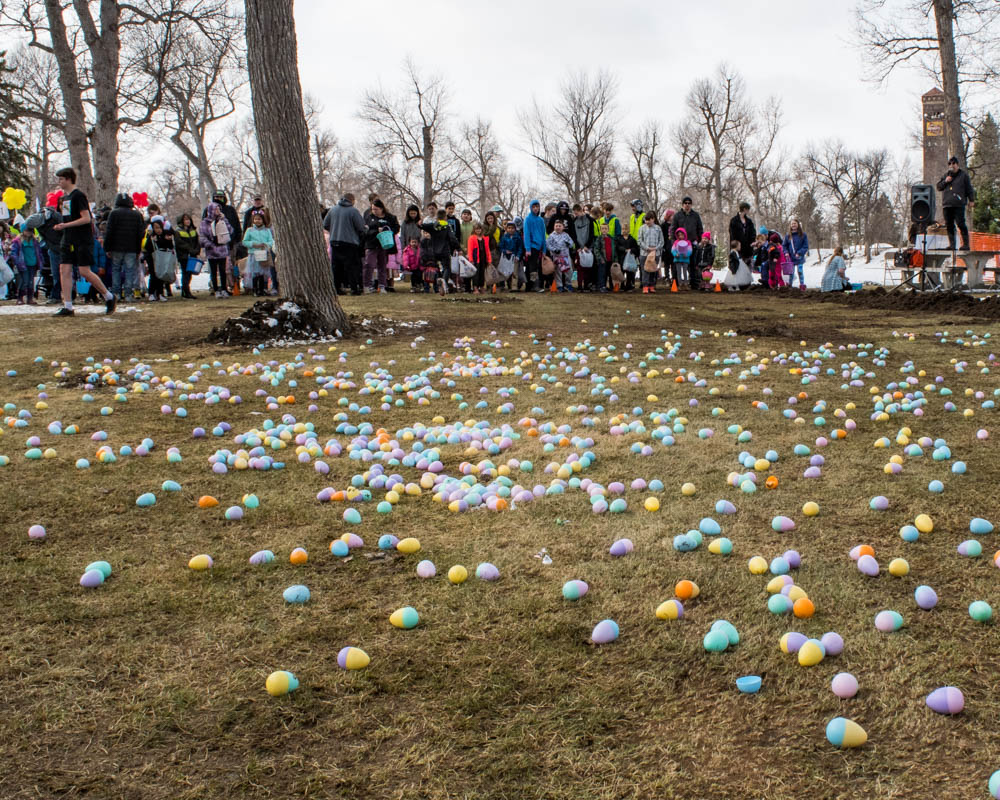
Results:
533 269
156 286
217 269
955 215
345 258
185 281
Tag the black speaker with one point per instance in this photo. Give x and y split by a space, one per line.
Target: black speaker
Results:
922 202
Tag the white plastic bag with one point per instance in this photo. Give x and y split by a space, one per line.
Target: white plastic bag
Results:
630 264
164 265
466 269
586 259
6 273
506 267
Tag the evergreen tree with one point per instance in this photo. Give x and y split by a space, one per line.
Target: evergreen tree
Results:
808 214
984 168
13 159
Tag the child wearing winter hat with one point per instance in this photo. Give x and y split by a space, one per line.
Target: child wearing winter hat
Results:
776 261
411 261
704 260
681 251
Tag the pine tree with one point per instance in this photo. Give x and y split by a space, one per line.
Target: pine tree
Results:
13 159
984 168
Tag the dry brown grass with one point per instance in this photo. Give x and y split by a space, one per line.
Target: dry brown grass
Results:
152 686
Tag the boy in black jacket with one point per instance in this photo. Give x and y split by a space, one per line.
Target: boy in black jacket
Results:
443 243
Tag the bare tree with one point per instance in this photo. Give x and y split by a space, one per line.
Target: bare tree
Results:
756 155
272 55
40 106
645 170
956 41
478 151
829 165
573 141
865 180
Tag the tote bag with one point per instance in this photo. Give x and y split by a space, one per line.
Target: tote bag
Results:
650 264
164 264
548 266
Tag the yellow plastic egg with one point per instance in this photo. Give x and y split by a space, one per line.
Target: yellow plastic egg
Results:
899 567
408 545
810 509
810 654
458 574
924 523
651 504
757 565
688 489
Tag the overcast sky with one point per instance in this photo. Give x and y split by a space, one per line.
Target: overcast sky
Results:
495 56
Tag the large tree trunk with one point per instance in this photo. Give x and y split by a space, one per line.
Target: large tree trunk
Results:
105 50
272 57
428 160
944 15
75 128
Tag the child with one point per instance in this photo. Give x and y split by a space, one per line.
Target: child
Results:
428 269
411 262
835 276
681 251
776 261
738 275
606 254
259 243
760 263
444 242
26 258
650 239
704 260
159 240
559 246
631 248
478 253
512 247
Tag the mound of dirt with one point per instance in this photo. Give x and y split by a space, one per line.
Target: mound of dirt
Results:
267 320
968 305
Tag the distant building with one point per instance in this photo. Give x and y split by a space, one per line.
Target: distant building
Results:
935 142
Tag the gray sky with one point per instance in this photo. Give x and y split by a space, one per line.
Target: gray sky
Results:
495 56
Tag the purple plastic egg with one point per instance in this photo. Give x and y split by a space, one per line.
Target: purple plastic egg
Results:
811 472
844 685
946 700
92 578
925 597
621 547
794 640
833 642
605 631
793 558
868 565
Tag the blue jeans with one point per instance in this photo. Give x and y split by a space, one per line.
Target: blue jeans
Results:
56 290
802 279
26 283
124 272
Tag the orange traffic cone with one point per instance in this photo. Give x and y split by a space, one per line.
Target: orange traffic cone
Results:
673 286
718 286
552 286
494 289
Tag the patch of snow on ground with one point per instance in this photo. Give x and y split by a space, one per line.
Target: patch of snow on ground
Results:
43 310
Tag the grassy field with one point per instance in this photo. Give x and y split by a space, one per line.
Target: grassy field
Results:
152 685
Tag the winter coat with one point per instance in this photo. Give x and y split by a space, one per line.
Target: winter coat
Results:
705 255
559 245
565 219
410 228
248 217
744 233
443 240
206 235
258 236
958 192
229 213
17 248
492 232
681 251
411 258
650 238
344 223
478 250
582 231
600 249
126 227
511 245
42 222
690 221
374 225
427 256
163 241
534 231
613 223
797 247
186 243
832 281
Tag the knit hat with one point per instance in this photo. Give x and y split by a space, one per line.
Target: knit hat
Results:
687 200
762 230
668 213
776 238
680 231
706 235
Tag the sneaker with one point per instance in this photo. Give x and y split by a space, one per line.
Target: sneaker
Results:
162 299
110 305
64 312
802 288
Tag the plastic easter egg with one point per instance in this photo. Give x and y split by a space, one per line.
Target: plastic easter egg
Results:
861 550
405 618
145 500
959 468
709 527
353 540
748 684
782 524
727 628
651 504
878 503
867 565
832 642
779 566
296 595
803 608
408 545
792 641
946 700
971 548
686 590
757 565
605 631
234 513
201 562
36 532
207 501
810 509
669 609
352 516
779 604
909 533
888 621
621 547
281 683
684 543
724 507
980 526
426 569
458 574
92 578
339 548
844 685
721 546
298 556
261 557
251 501
980 611
841 732
352 658
793 558
387 541
899 567
487 572
811 653
575 589
994 784
688 489
925 597
924 523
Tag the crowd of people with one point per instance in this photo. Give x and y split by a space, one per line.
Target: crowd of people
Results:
559 248
69 250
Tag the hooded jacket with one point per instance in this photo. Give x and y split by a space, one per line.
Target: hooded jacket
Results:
410 228
443 240
957 193
43 222
534 229
207 237
230 214
344 223
126 227
582 231
797 247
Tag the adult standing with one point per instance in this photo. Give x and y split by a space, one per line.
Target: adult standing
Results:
796 244
688 219
669 268
346 227
534 245
956 192
123 243
45 221
257 207
77 247
378 221
215 234
742 230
